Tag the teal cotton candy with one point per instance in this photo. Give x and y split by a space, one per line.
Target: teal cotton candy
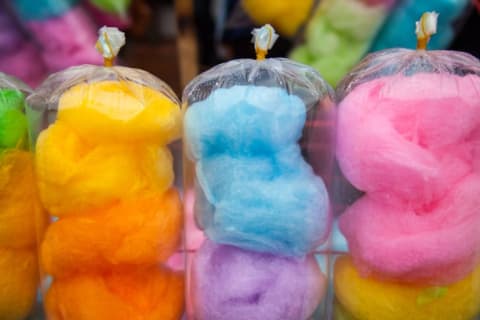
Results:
254 190
29 10
281 210
399 30
244 120
13 123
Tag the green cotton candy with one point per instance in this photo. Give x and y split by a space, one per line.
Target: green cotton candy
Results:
119 7
13 123
338 36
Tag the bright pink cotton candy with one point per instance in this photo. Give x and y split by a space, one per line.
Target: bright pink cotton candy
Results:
439 244
67 40
409 137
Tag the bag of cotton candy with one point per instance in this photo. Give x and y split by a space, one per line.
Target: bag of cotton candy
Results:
409 139
258 137
20 208
259 151
105 175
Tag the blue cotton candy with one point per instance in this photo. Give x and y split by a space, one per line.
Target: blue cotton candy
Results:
42 9
244 120
399 30
263 204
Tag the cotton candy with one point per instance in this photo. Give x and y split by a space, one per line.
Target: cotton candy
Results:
439 244
398 30
340 313
74 176
138 231
25 63
263 205
20 211
274 12
113 6
140 294
339 34
370 298
235 284
67 39
42 9
13 123
414 146
18 280
123 111
244 119
10 38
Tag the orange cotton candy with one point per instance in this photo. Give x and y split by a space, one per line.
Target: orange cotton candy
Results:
141 294
18 283
74 175
138 231
122 111
19 203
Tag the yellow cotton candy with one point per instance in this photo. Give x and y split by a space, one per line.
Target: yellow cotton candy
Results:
19 203
287 16
74 176
18 283
121 111
372 299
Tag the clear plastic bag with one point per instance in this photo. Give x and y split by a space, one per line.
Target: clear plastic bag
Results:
20 209
408 139
258 149
105 175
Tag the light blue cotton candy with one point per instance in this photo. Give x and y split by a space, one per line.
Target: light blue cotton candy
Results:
399 30
264 204
245 120
29 10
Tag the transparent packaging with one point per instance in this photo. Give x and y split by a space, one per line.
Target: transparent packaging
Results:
258 154
20 209
408 142
105 176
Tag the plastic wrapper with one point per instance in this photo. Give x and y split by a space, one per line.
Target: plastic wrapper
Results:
105 176
408 140
63 30
20 209
340 34
258 150
394 35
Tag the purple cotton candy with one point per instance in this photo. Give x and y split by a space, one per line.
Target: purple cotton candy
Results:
236 284
24 64
10 37
67 40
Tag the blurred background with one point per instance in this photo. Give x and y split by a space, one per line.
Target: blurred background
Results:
176 40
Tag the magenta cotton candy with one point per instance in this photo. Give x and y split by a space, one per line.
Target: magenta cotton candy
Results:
67 40
236 284
24 63
409 136
439 243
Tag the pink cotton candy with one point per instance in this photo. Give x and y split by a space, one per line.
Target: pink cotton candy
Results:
24 63
409 136
438 244
67 40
